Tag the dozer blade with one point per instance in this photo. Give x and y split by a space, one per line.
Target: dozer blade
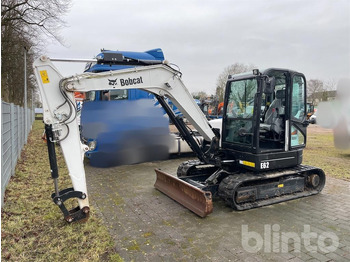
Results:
193 198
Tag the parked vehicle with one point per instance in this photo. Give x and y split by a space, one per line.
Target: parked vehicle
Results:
310 110
313 118
108 117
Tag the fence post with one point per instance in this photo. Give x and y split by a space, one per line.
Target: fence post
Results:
27 123
22 128
30 120
15 130
13 145
18 131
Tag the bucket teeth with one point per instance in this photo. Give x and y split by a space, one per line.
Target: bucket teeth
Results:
191 197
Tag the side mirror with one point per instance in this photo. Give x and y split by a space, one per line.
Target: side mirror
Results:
269 85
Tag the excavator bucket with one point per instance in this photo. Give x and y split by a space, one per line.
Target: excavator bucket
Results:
191 197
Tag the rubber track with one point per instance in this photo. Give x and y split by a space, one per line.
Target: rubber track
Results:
230 184
193 168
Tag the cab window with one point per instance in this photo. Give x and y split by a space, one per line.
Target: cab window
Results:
298 98
239 111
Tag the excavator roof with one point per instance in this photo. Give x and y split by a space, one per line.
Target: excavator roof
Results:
104 59
268 71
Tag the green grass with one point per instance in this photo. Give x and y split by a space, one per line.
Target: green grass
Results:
321 152
32 226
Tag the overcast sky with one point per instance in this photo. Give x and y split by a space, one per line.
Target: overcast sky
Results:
203 37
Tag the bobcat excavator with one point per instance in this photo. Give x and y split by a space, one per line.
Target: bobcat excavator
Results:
253 159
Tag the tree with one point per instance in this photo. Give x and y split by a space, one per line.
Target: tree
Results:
315 87
24 24
199 95
229 70
34 17
330 84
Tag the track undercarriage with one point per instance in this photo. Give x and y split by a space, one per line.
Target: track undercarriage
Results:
241 189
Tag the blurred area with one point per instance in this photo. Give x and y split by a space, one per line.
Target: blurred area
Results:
336 115
123 126
124 132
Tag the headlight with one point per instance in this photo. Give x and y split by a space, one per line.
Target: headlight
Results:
92 145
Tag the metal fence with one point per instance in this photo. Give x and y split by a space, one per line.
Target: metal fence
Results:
13 138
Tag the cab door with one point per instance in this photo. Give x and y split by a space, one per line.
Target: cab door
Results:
298 115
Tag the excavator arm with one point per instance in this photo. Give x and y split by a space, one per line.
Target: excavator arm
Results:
61 126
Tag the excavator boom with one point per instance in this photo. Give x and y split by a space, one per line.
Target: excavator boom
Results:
59 117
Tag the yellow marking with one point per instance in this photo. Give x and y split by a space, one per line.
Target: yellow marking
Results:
44 77
281 185
247 163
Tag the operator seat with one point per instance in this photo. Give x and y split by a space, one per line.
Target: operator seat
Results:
274 115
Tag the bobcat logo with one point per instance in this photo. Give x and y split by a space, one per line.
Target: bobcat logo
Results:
113 82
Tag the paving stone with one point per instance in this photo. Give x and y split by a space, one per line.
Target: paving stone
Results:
336 257
296 259
303 256
319 257
146 225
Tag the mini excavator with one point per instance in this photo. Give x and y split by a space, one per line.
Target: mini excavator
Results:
253 159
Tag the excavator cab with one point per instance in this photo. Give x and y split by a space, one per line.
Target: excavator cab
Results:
264 122
262 140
